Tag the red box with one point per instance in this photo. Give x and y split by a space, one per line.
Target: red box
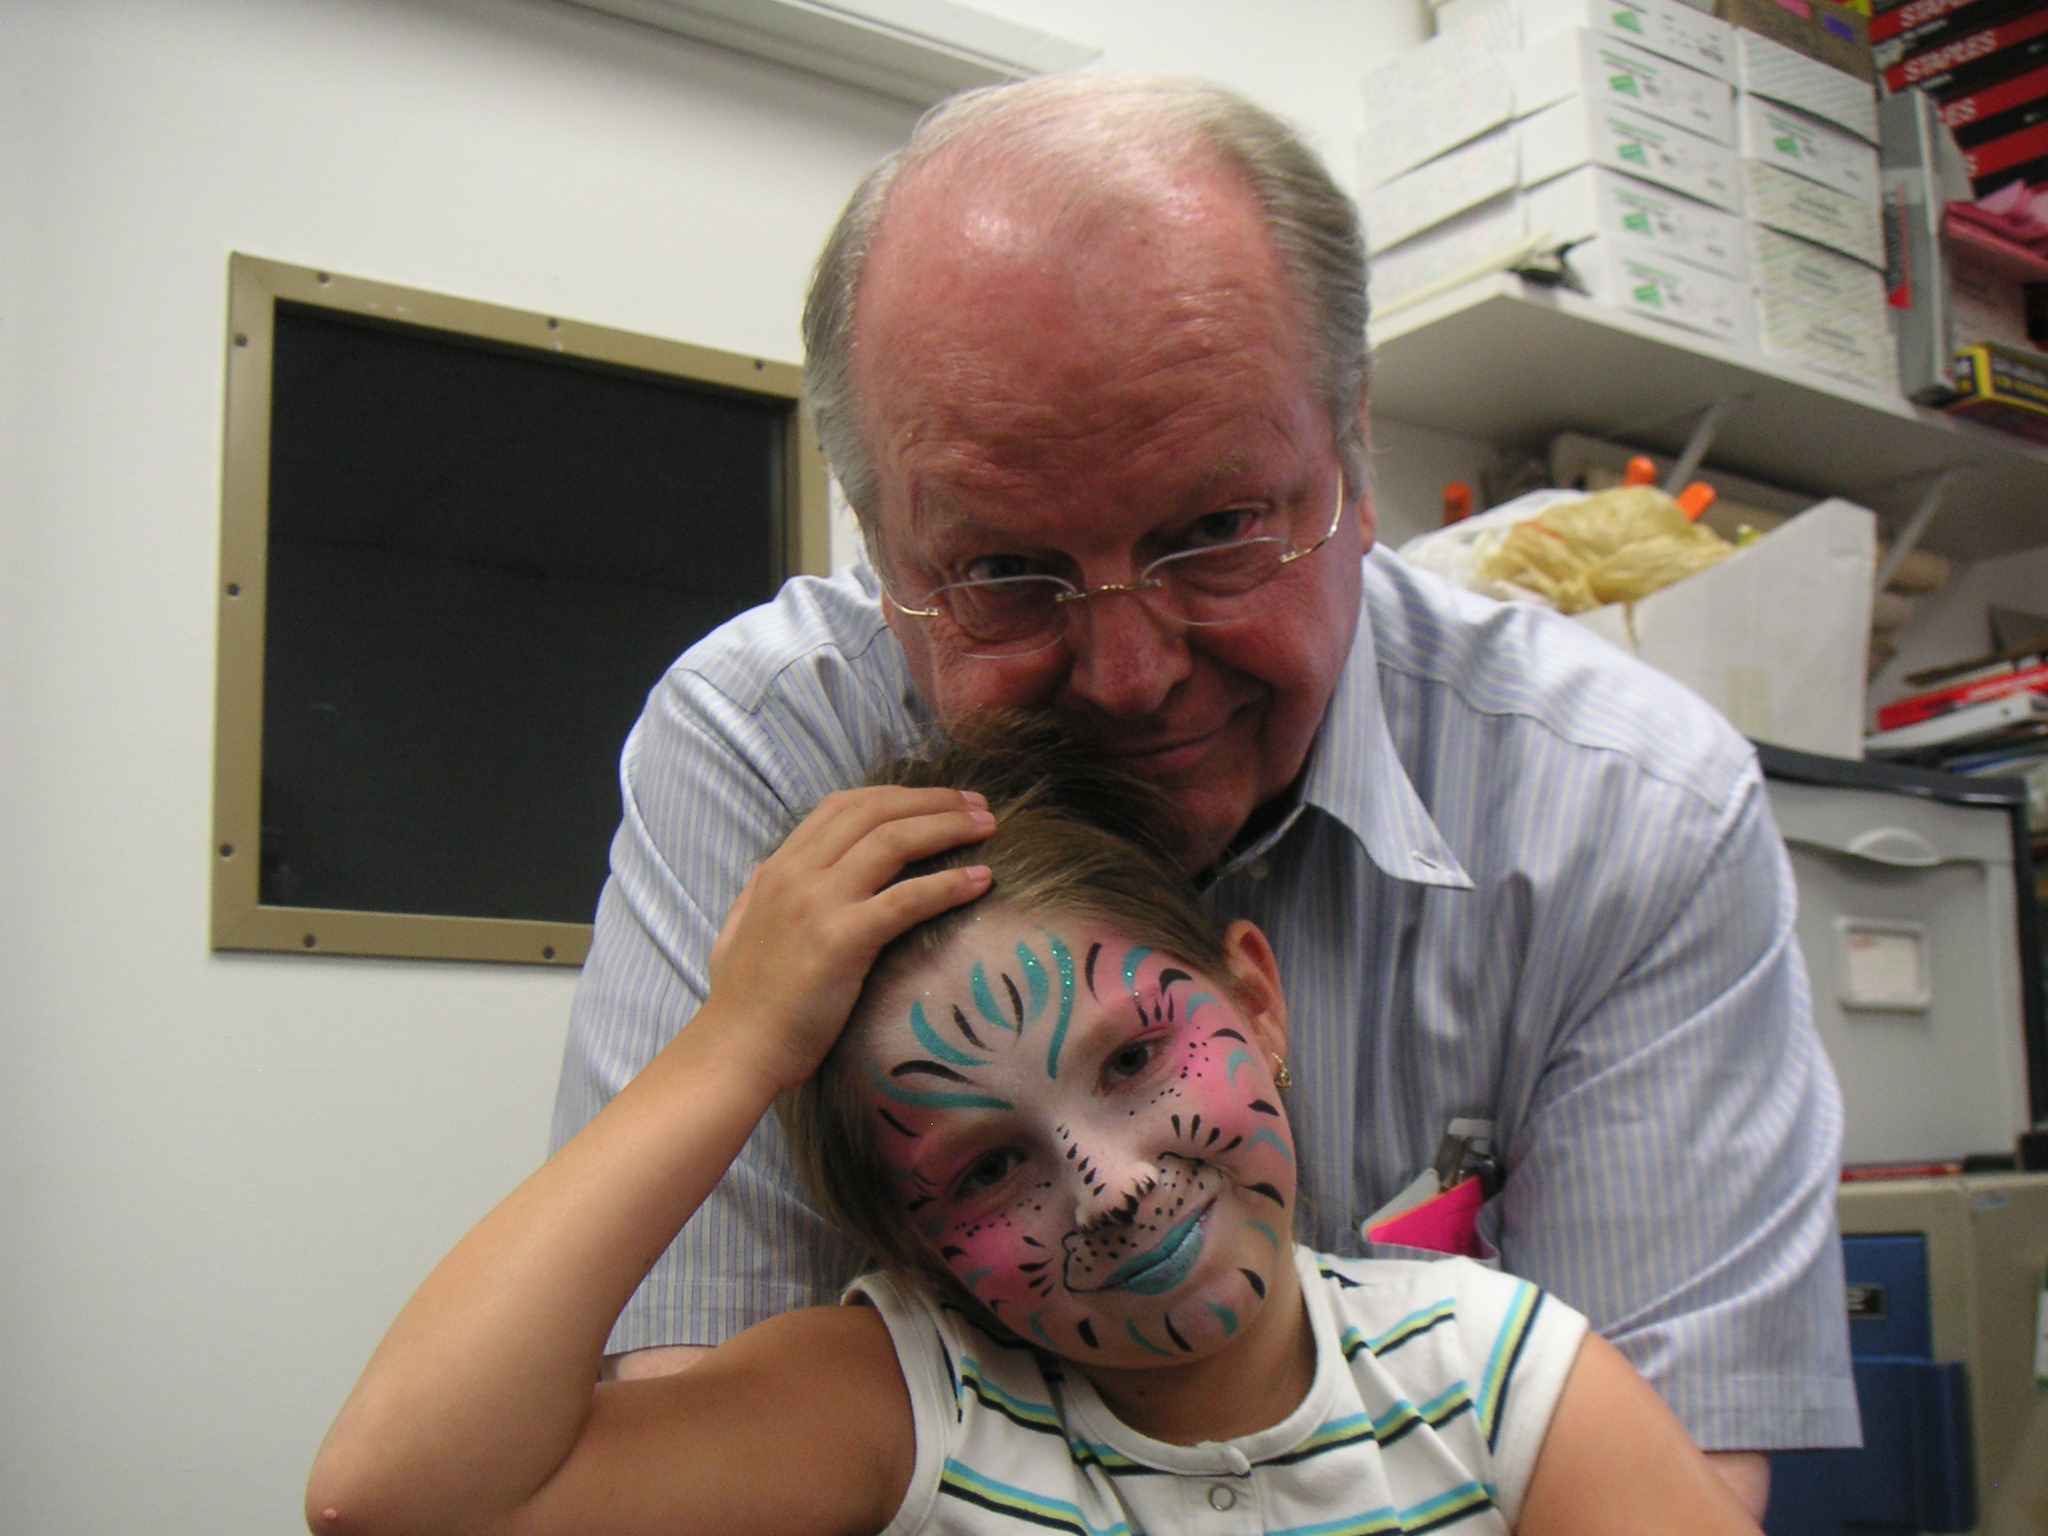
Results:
1921 24
1961 62
1959 112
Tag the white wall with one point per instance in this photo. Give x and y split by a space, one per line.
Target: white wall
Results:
226 1172
1952 624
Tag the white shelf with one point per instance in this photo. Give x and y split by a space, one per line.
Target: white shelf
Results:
919 51
1504 360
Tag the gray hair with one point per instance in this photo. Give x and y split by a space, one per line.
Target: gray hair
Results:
1062 130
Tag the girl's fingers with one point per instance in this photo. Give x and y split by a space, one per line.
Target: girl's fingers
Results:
841 820
890 846
902 906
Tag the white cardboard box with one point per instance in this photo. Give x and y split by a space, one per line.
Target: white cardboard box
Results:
1821 309
1580 132
1775 636
1797 206
1637 277
1667 27
1770 69
1481 239
1428 195
1805 146
1595 202
1675 30
1428 100
1579 62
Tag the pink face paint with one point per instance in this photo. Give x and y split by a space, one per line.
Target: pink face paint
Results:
1096 1152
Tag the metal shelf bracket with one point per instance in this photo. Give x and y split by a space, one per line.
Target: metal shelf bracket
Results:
1916 525
1699 443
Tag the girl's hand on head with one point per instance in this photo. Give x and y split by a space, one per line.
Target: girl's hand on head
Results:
795 950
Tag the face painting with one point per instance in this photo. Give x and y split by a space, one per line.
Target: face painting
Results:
1087 1133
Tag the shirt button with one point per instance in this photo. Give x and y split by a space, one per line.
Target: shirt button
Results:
1221 1497
1260 870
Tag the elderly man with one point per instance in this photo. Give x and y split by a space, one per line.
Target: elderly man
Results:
1088 357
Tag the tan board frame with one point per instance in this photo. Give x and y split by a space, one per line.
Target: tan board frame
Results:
255 286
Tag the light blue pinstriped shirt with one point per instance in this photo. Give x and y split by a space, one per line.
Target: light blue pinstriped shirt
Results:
1529 880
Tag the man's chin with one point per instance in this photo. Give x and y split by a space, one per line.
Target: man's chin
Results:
1205 825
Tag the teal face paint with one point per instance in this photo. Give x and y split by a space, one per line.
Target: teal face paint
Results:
1120 1198
1065 962
932 1100
985 1000
1262 1136
929 1039
1034 981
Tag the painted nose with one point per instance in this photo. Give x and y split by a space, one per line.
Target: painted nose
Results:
1128 655
1110 1185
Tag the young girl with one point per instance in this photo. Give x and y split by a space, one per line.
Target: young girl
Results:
1057 1116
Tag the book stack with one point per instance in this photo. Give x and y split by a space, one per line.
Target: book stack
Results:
1986 63
1990 720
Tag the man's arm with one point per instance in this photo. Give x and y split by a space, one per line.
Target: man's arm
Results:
1674 1172
752 729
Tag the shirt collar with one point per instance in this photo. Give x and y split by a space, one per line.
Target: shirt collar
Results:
1355 776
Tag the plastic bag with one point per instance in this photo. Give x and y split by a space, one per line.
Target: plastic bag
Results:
1574 552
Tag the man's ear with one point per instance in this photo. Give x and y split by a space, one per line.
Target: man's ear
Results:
1255 979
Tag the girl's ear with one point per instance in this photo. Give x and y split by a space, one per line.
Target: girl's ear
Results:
1255 975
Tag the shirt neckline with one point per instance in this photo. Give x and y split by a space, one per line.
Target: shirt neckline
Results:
1090 1419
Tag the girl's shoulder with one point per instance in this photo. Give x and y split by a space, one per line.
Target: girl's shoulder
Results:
990 1417
1452 1309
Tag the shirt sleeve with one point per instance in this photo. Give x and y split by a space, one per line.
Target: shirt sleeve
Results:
927 1352
1675 1172
1519 1343
720 767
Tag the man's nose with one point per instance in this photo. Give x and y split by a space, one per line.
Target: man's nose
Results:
1128 653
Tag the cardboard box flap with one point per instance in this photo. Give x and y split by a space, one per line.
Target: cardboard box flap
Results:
1776 636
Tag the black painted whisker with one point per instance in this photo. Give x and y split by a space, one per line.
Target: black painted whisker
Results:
1174 1334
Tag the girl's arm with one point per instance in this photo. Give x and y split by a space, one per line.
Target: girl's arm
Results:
1615 1462
480 1410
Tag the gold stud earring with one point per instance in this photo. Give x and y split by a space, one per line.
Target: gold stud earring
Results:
1282 1078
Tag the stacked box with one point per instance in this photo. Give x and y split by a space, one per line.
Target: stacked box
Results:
1806 131
1578 132
1784 137
1822 310
2003 387
1986 63
1613 143
1596 203
1815 246
1795 205
1671 29
1768 69
1836 35
1427 102
1606 72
